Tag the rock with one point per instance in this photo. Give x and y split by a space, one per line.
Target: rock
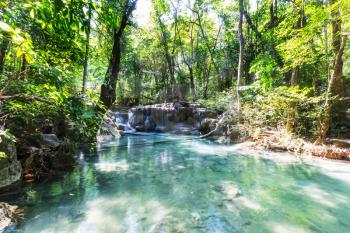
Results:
9 215
137 117
48 159
10 167
109 128
42 140
150 125
64 158
121 127
50 140
207 125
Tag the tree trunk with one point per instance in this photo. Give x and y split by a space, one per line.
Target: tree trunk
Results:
193 88
241 51
87 48
291 111
294 80
293 83
209 48
324 122
336 30
108 88
206 76
23 69
168 56
272 15
3 50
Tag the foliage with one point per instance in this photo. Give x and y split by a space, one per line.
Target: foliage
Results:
269 110
267 71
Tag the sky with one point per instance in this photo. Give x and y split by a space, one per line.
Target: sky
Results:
142 12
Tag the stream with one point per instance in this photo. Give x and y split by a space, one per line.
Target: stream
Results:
171 183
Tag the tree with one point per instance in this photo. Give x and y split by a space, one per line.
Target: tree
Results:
331 91
241 51
87 45
294 82
108 88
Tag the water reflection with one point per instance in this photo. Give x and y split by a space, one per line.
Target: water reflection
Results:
181 184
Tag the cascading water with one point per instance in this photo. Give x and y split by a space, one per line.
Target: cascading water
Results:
122 121
179 118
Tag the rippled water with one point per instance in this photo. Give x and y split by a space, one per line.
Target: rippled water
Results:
158 183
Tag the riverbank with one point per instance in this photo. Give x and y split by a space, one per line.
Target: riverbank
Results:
276 141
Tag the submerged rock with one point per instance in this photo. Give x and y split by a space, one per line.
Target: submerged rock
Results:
10 167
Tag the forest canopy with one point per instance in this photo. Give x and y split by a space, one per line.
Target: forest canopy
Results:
282 64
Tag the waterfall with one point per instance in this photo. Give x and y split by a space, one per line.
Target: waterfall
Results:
178 118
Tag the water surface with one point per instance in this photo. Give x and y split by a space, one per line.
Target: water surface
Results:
164 183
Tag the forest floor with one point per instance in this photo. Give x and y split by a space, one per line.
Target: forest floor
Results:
333 148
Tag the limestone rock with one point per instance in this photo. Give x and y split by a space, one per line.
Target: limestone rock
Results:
10 167
9 214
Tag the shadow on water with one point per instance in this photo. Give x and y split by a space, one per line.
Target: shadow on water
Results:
168 183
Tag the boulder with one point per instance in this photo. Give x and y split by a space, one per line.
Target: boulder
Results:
10 167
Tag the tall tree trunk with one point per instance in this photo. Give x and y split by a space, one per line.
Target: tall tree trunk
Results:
241 51
339 86
193 88
324 122
108 88
3 50
209 48
87 49
292 111
23 70
294 81
206 76
168 56
272 15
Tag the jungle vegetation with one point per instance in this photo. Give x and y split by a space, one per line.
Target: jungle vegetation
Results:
282 64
